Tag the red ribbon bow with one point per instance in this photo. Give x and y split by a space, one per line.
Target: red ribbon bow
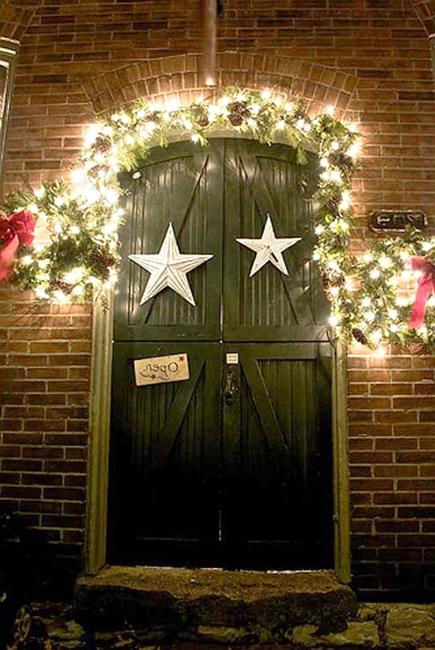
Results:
17 230
425 287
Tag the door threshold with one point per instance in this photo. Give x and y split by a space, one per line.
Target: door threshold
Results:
185 598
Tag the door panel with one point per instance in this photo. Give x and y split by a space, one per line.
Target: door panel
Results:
277 494
165 469
231 467
184 187
270 305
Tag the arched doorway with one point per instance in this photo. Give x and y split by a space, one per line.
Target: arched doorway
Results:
233 466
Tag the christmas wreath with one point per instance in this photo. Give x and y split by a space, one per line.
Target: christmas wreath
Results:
82 216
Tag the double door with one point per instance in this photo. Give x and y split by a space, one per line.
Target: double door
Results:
232 466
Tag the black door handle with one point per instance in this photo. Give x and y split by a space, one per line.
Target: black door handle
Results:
231 386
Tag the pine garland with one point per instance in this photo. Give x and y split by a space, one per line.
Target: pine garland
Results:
82 216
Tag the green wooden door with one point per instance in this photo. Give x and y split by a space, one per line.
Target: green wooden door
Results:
231 467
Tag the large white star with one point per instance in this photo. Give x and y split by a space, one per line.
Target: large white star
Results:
268 248
168 268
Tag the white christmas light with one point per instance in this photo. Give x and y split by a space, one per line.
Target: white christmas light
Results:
75 275
385 262
41 293
26 260
375 274
60 296
91 134
345 200
354 149
334 320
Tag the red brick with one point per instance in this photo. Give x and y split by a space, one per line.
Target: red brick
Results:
379 67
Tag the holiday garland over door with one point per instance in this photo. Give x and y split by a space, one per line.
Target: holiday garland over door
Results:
83 216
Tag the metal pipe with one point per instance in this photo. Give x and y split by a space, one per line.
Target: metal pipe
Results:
208 41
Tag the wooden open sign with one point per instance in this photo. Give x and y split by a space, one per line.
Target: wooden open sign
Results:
161 370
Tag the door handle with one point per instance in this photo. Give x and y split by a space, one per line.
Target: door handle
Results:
231 386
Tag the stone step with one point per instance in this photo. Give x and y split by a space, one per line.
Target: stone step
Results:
205 602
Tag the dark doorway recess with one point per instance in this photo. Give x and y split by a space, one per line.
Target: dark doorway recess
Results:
233 466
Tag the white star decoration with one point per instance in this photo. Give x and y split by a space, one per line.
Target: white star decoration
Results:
269 248
169 268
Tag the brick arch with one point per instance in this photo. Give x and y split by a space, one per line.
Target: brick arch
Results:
179 76
425 10
15 18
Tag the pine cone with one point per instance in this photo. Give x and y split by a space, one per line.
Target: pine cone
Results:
237 112
333 202
201 117
359 336
96 170
339 159
102 144
58 285
101 261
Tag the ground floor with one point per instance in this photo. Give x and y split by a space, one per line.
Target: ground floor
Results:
375 626
160 609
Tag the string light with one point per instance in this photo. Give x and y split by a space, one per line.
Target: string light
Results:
356 300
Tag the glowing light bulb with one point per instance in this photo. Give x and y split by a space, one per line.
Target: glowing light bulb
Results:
345 200
280 125
334 320
330 109
375 274
354 149
91 134
60 296
27 260
41 293
385 262
194 137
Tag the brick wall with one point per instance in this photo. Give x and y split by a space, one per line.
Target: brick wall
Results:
372 59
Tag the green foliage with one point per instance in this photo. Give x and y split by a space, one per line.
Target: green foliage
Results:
82 252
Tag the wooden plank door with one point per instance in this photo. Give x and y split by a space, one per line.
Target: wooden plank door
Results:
181 185
277 456
166 439
165 459
233 465
277 432
271 306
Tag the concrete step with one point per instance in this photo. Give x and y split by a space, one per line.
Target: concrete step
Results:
193 603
